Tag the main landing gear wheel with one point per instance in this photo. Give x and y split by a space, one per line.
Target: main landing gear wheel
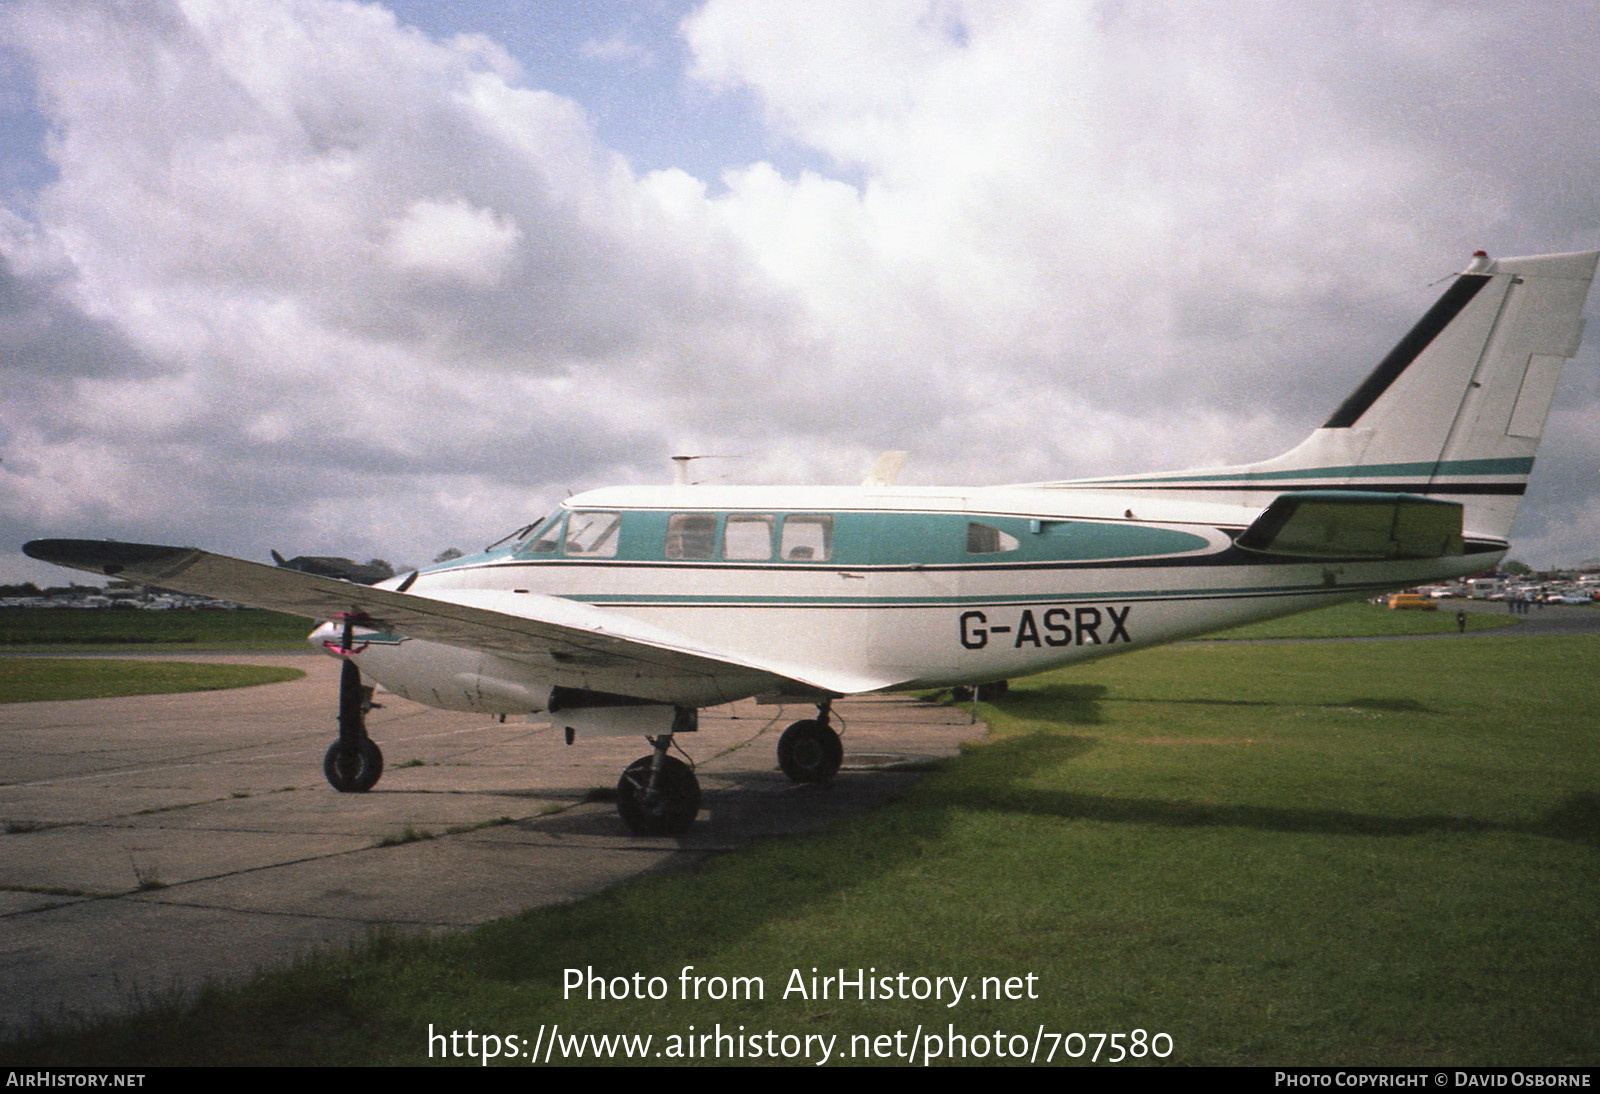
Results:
810 752
664 806
353 763
353 770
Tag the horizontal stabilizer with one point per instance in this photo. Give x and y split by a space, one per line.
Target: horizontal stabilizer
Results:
1355 525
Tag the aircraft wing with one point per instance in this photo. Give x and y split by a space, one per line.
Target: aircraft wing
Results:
1356 525
584 646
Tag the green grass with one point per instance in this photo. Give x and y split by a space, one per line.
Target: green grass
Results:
34 679
1363 620
1328 854
41 629
408 834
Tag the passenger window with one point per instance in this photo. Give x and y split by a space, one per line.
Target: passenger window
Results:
807 539
691 535
984 539
593 535
747 537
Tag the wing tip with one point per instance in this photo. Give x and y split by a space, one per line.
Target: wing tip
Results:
108 557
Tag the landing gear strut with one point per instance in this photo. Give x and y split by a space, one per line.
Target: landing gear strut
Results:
984 693
353 763
658 795
810 751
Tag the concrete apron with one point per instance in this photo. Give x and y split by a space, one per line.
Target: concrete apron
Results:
155 844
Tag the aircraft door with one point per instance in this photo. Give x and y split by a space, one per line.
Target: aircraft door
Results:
913 582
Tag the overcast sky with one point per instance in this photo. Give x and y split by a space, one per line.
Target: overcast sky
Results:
377 280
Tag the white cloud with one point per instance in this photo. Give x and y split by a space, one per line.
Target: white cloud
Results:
619 46
1161 215
324 279
454 240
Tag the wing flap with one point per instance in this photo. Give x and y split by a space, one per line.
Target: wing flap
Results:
585 646
1356 525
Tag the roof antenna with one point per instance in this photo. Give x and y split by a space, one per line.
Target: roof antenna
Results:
885 469
680 466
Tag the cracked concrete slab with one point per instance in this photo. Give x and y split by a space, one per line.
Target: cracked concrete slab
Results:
157 843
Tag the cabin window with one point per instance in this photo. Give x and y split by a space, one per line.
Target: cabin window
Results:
691 535
985 539
747 537
593 535
807 538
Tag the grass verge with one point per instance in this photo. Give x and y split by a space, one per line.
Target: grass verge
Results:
1330 854
1363 620
44 630
34 679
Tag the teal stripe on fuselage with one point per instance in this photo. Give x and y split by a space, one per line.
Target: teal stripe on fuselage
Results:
1520 465
1049 597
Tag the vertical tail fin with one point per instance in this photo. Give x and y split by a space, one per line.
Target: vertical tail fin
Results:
1455 411
1458 408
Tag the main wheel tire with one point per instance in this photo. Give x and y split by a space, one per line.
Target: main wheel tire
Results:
810 752
670 809
353 770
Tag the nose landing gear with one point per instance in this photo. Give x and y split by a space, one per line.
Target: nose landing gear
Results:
658 795
353 763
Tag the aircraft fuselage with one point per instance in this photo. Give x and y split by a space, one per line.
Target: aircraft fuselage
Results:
926 587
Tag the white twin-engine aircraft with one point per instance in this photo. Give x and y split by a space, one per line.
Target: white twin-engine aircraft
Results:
631 608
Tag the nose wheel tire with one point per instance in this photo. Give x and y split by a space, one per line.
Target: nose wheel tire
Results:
810 752
353 769
666 809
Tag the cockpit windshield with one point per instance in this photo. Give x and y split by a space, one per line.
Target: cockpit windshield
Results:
543 538
526 532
